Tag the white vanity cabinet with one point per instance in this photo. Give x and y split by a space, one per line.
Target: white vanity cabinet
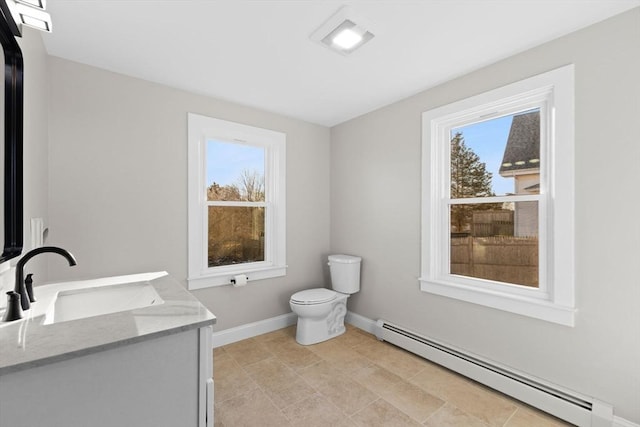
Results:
165 381
147 366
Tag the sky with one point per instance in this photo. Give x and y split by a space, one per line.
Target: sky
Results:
488 140
227 160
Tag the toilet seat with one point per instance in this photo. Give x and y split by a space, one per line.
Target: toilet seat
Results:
313 296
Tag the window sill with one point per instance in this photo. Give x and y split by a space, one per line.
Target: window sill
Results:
224 278
525 306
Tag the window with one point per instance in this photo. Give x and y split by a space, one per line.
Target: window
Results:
497 201
236 202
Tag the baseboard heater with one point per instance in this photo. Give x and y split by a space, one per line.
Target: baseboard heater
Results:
564 404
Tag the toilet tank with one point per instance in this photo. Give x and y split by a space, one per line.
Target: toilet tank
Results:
345 273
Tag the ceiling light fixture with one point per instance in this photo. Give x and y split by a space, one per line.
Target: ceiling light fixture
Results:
40 22
38 4
26 12
343 32
347 39
33 17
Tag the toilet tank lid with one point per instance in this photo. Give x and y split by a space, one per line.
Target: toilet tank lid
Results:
344 259
314 296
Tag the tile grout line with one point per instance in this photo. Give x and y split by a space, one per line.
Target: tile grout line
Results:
316 390
436 411
366 407
262 390
506 423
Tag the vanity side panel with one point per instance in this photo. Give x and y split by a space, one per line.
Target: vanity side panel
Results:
151 383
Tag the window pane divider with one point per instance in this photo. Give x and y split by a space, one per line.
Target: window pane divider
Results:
496 199
237 204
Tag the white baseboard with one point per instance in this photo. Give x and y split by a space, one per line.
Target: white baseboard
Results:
621 422
250 330
242 332
361 322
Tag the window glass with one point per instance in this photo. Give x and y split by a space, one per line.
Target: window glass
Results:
235 172
496 157
499 157
499 243
236 235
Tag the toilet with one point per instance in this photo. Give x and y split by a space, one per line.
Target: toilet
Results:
321 311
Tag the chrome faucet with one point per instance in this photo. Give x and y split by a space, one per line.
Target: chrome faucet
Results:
26 290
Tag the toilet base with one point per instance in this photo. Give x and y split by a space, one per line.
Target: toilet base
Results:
312 331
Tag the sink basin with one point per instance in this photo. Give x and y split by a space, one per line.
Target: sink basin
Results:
100 300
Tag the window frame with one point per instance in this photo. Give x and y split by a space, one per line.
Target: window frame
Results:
554 299
200 130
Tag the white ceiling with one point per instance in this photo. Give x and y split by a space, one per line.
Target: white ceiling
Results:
258 52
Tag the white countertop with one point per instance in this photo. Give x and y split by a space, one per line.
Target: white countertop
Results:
27 343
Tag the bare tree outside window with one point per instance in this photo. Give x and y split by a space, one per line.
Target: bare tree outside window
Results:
251 183
236 212
236 233
248 187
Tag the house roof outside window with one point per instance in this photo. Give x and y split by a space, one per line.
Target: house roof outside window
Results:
522 152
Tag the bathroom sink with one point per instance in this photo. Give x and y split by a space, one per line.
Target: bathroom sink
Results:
100 300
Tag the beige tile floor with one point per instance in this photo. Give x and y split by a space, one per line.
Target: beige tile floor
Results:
351 380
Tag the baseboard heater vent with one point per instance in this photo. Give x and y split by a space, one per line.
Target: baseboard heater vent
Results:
564 404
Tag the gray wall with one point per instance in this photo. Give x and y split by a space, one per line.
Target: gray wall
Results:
375 213
117 185
118 188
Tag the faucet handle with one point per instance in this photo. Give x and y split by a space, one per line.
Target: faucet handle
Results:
14 311
28 283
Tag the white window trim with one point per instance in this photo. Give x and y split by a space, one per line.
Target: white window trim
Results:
554 300
200 129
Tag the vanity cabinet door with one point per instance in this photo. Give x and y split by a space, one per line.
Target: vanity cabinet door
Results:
152 383
205 403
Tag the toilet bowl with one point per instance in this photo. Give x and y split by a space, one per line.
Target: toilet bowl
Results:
321 311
